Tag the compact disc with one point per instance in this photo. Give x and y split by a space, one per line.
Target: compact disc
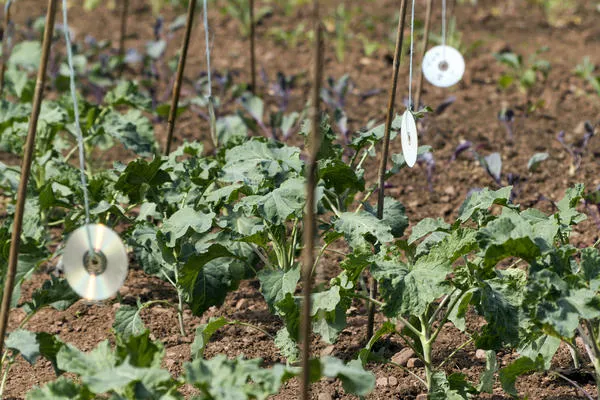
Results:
443 66
409 139
96 273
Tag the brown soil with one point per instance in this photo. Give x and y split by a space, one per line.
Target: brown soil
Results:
568 102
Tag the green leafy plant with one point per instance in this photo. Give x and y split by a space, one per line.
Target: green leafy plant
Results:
524 74
239 9
586 71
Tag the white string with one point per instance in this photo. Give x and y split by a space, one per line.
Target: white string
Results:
410 68
84 185
206 35
444 23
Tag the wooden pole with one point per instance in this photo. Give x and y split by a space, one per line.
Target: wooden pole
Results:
385 150
252 49
179 78
25 170
310 225
423 50
5 37
124 15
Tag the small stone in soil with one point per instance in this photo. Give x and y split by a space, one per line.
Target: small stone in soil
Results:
324 396
402 357
327 351
242 303
393 381
414 363
383 381
480 354
422 396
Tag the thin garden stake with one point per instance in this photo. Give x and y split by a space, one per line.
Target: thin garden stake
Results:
179 78
385 150
314 144
25 169
424 45
252 49
124 15
5 43
211 105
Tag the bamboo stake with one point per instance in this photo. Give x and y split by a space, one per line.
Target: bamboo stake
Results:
309 218
385 150
25 170
5 37
252 49
423 50
179 78
124 15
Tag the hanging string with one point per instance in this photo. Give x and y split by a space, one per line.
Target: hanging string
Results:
84 185
444 23
206 36
410 68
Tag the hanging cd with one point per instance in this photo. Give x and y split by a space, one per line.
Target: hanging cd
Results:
443 66
409 139
95 276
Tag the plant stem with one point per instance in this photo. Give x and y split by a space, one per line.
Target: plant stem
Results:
309 222
25 171
426 345
4 378
247 325
179 306
424 44
179 77
572 382
459 348
5 42
252 49
124 15
385 150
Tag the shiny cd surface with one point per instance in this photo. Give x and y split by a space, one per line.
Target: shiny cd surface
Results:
409 138
443 66
97 273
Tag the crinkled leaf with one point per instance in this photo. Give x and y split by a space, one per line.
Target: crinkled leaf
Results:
128 322
394 215
483 200
276 284
60 389
362 229
178 224
55 293
355 379
132 129
427 226
287 346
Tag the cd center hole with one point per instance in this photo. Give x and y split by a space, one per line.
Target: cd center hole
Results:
94 263
443 66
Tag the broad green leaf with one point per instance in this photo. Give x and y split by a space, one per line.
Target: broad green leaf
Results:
71 359
132 129
60 389
487 379
427 226
128 322
141 176
508 375
567 214
221 378
206 278
394 215
204 333
590 266
544 346
535 161
255 161
279 204
178 224
483 200
339 176
32 345
26 54
139 351
363 229
398 161
453 387
55 293
500 303
355 379
287 346
328 309
510 236
127 93
120 379
276 284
